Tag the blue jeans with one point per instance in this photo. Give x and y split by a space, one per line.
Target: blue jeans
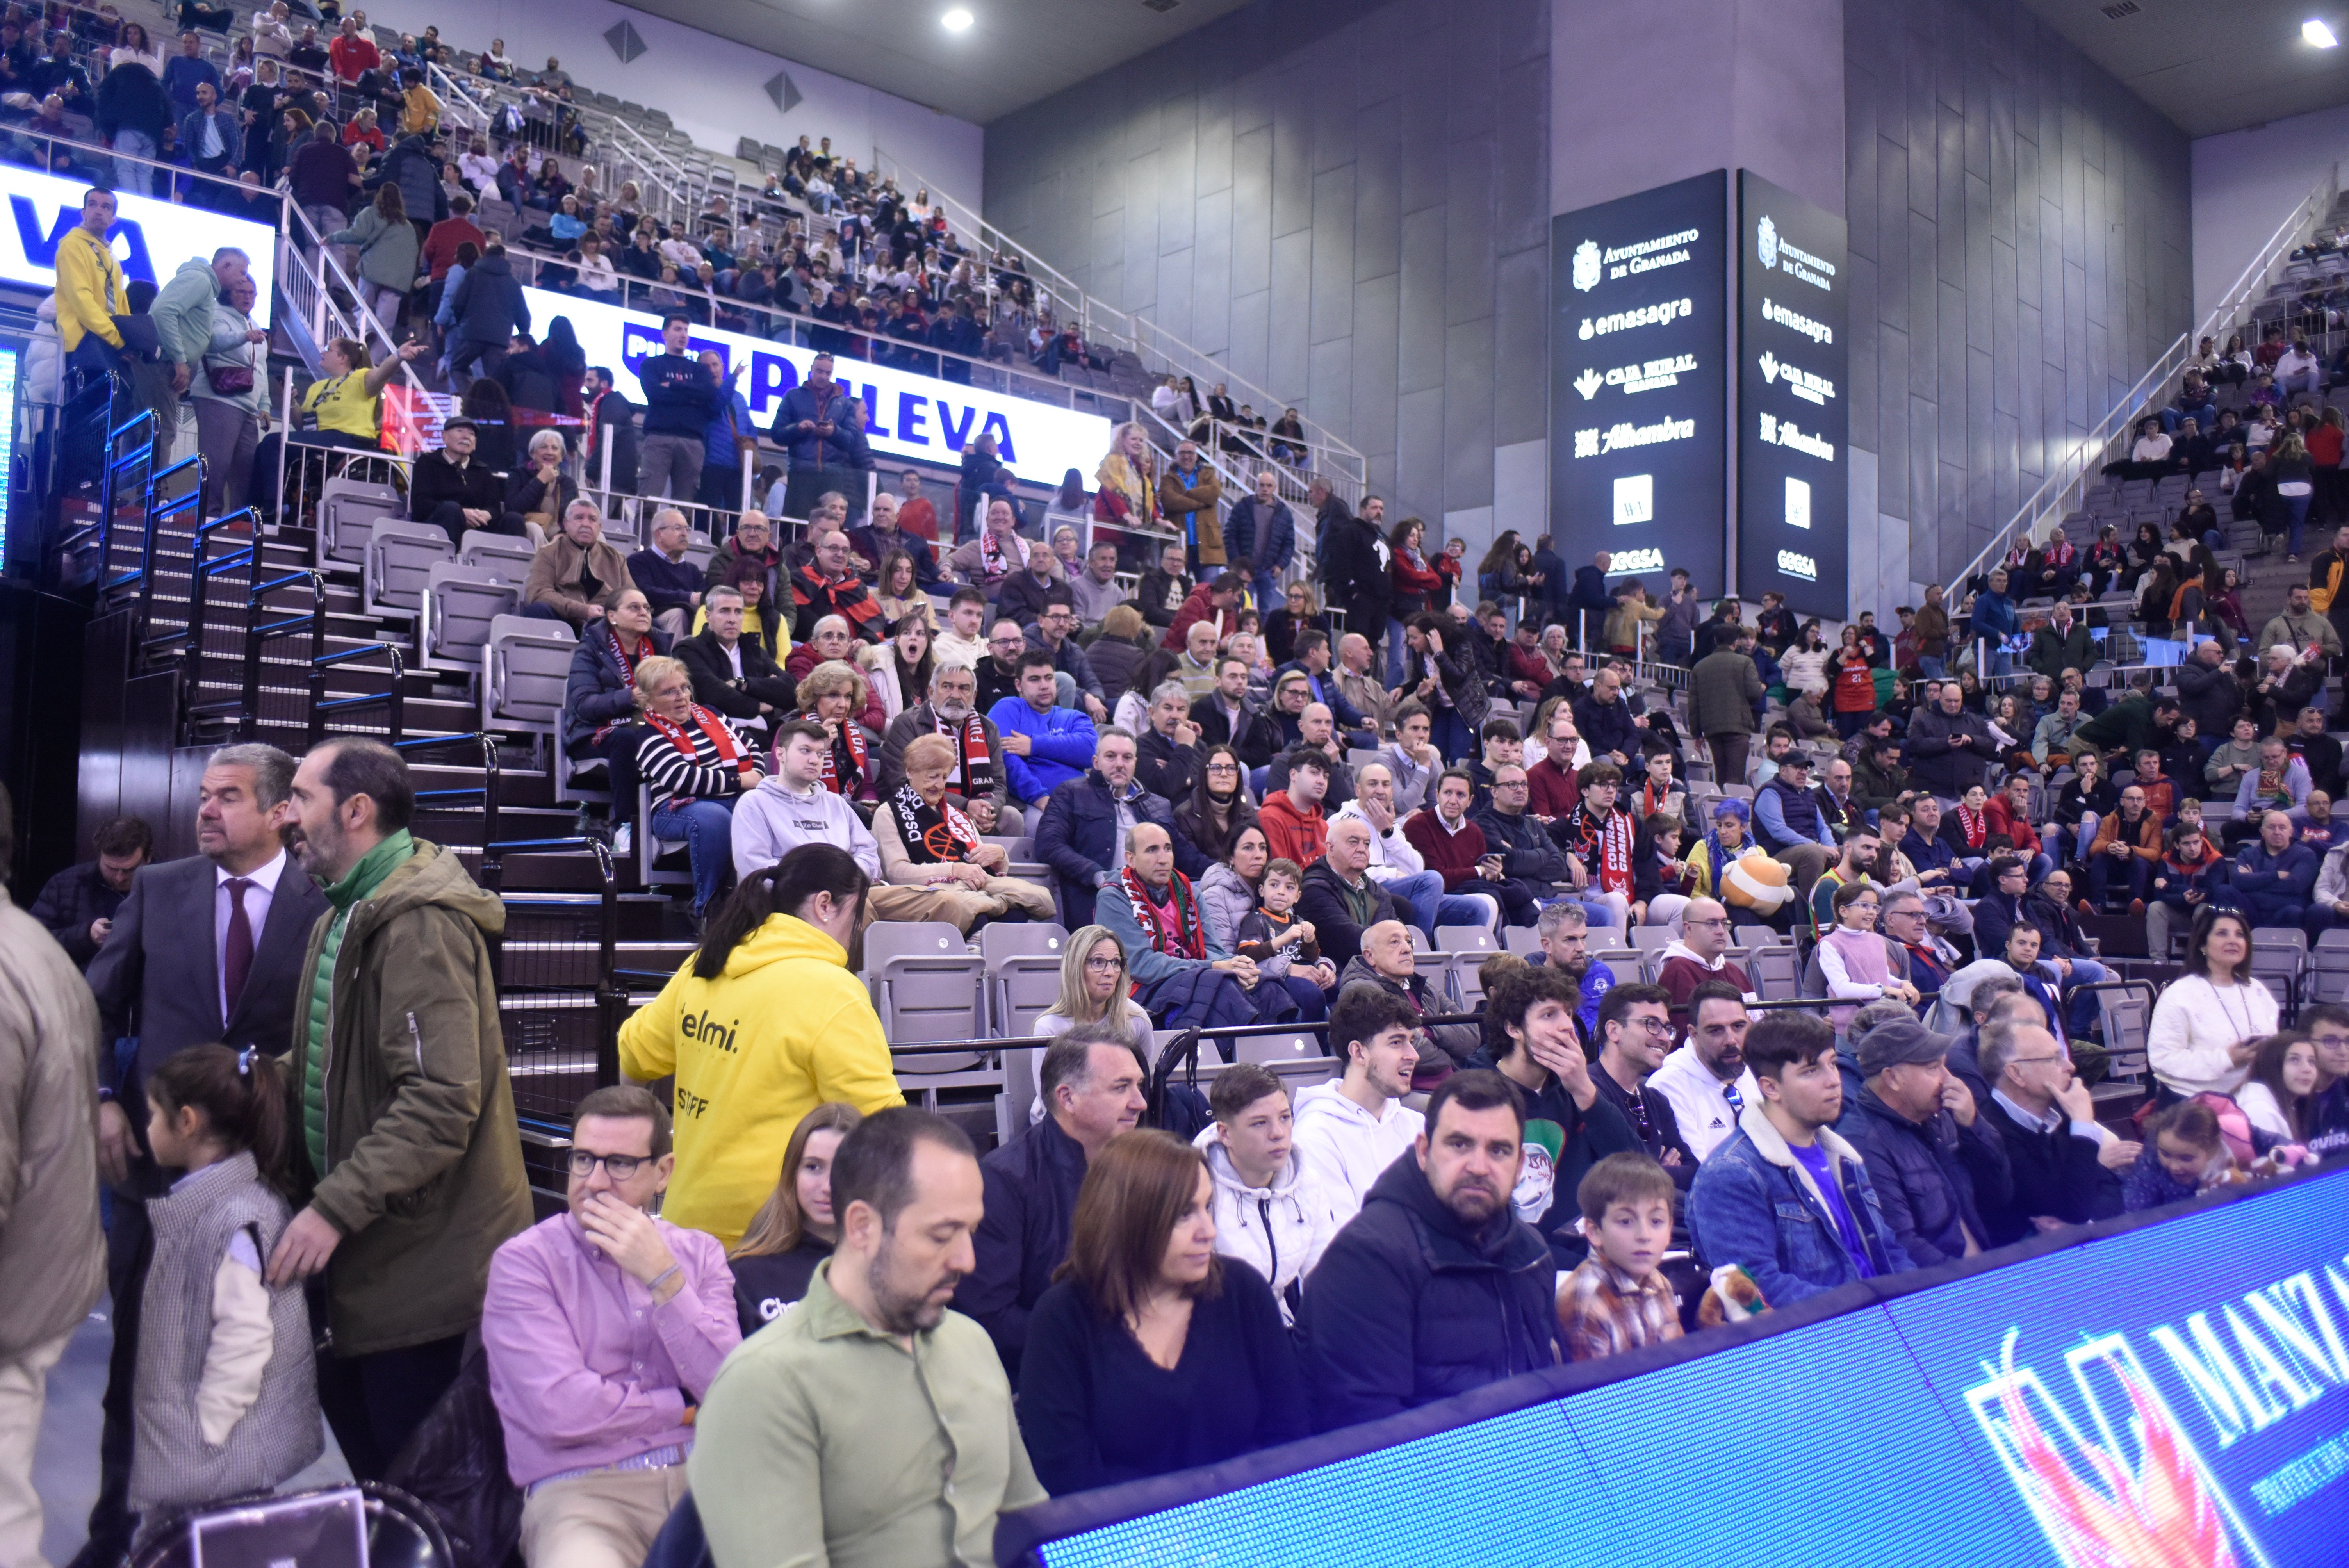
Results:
1394 651
134 177
1930 665
1431 906
2298 508
2081 1006
707 828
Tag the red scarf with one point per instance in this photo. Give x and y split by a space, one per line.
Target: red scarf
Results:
974 771
1973 826
627 670
1613 839
845 598
729 755
1187 938
852 737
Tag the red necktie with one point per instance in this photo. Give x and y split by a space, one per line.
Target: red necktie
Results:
236 961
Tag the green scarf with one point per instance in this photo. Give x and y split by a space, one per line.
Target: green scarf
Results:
355 885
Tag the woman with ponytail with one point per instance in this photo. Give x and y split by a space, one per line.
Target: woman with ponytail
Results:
764 1022
225 1399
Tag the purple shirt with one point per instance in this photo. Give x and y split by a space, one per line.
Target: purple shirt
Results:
586 1370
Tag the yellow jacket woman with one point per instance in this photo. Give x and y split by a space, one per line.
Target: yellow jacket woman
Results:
1127 489
762 1024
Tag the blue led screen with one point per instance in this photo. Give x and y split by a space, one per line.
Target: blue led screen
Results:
2175 1393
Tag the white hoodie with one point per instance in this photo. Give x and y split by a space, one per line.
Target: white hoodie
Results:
773 820
1342 1148
1277 1231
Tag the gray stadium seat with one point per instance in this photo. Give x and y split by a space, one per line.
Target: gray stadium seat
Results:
400 556
523 667
1023 964
1473 939
461 602
1651 938
502 553
348 510
1266 1049
927 985
1525 941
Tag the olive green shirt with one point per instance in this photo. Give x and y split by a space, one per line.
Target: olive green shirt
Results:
822 1441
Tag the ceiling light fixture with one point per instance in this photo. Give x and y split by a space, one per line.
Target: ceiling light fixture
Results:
2317 36
959 20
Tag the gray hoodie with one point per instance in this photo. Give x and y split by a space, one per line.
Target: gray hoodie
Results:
773 820
1279 1231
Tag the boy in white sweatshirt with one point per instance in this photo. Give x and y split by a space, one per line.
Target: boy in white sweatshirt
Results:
1350 1130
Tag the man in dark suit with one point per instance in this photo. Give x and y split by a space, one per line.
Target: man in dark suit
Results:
205 949
731 673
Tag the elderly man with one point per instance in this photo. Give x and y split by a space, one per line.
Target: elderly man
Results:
672 584
1788 823
1187 494
880 534
995 554
2290 679
2207 690
576 576
1086 820
1170 756
1261 532
1389 962
450 490
1195 667
1396 865
826 586
1095 592
1040 582
1930 1152
1361 686
2061 644
2063 1168
2279 783
1180 978
604 1328
755 539
1340 898
1950 746
978 775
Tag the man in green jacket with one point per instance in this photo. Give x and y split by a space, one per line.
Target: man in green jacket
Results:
1724 705
404 1145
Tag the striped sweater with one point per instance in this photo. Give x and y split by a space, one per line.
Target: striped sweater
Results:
669 775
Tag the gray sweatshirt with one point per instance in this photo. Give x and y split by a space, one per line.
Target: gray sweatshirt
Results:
773 820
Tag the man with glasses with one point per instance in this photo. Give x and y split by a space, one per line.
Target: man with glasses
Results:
2327 1026
1074 684
1635 1031
603 1326
999 672
1700 957
673 585
1706 1081
2063 1171
1931 960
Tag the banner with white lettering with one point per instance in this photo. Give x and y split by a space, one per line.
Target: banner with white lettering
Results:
905 415
1638 302
149 238
1793 489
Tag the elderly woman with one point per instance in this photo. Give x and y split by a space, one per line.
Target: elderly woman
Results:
831 642
695 768
934 861
540 489
833 694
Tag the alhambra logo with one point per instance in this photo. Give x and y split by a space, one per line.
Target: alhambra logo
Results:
1586 266
1765 242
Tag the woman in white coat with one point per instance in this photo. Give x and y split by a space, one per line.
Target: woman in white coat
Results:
2207 1023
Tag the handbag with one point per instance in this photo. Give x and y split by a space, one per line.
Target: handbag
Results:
229 380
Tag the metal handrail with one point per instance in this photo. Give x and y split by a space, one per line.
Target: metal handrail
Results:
191 499
2059 492
393 697
487 793
259 632
118 460
609 998
204 569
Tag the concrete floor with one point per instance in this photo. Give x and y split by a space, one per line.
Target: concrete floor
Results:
65 1465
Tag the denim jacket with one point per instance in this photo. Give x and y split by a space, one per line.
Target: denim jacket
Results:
1753 1206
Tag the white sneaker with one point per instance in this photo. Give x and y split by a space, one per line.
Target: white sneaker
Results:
623 841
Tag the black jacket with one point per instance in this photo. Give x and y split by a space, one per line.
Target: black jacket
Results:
714 683
488 306
130 99
1407 1306
1255 735
434 479
1073 837
1031 1186
69 902
597 692
1159 596
1929 1176
1527 851
1360 574
2211 697
1167 771
1585 1138
1324 900
2050 1174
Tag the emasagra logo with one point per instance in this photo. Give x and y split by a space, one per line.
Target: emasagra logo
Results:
1765 242
1586 266
2119 1485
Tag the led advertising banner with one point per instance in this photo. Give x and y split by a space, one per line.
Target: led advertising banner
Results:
150 238
1638 341
905 415
2171 1395
1793 465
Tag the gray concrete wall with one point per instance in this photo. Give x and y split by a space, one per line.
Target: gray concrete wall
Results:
2020 251
1350 208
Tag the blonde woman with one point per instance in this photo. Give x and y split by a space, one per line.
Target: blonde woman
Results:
1095 987
1127 480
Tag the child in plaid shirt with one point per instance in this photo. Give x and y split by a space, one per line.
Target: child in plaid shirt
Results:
1617 1300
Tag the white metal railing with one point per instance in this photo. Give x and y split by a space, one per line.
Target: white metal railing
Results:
2060 493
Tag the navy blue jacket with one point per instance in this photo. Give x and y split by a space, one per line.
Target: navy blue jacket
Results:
680 395
669 585
1031 1186
1607 727
595 693
1270 553
807 449
868 542
1408 1306
2053 1174
1074 839
1930 1179
488 306
2275 888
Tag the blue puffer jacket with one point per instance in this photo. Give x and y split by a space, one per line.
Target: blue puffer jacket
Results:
1932 1179
1061 740
1754 1206
2275 888
1408 1306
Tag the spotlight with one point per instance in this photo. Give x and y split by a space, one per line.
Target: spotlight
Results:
959 20
2317 36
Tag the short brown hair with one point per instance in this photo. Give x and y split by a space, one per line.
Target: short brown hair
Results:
1627 1178
1136 1190
1240 1085
628 1102
124 836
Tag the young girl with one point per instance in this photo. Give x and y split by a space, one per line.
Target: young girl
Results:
225 1401
794 1230
2280 1097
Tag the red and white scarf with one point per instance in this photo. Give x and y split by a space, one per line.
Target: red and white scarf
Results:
1973 826
730 753
1612 841
627 663
1186 936
975 765
852 737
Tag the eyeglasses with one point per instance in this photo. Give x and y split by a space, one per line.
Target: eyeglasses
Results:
1656 1027
1112 965
1222 766
619 1167
1722 920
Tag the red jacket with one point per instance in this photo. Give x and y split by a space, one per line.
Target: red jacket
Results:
441 243
1199 606
1527 664
1453 854
1293 835
1551 790
2003 818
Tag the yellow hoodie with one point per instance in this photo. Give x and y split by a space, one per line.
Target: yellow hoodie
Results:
784 1029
